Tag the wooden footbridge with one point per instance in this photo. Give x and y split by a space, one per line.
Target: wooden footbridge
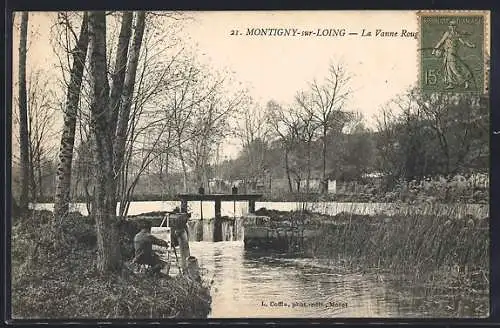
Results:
218 199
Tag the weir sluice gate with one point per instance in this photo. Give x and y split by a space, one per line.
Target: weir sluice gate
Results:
256 231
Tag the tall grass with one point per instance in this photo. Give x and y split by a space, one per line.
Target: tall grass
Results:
421 244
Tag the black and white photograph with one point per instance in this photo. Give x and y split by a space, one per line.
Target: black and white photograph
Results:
250 164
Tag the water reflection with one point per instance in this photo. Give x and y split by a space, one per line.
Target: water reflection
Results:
249 286
244 281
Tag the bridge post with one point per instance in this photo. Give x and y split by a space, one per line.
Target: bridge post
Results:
218 221
251 206
184 206
218 208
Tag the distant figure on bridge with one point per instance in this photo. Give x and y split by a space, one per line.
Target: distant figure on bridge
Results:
144 254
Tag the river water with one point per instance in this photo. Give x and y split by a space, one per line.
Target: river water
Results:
207 209
250 285
247 284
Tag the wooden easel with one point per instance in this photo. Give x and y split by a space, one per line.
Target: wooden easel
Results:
171 249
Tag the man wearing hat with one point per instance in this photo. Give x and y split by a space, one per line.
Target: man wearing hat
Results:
144 254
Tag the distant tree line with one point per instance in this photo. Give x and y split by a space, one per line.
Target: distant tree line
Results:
416 136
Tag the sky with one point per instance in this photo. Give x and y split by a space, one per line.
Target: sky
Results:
277 67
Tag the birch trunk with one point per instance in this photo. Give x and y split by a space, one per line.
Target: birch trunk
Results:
63 174
118 87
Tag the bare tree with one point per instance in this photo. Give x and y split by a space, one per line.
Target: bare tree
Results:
325 102
284 127
137 104
195 108
121 62
254 131
23 115
209 125
453 119
305 135
428 134
41 114
121 108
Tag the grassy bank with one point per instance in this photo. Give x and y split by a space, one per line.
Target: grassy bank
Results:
64 283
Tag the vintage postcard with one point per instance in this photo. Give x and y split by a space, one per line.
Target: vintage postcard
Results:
250 164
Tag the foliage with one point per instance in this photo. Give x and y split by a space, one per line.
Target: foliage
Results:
431 135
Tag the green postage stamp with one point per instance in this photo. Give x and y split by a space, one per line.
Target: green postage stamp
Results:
454 46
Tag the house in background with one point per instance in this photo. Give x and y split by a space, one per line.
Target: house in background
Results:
315 185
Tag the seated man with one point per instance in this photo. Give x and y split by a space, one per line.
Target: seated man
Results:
143 244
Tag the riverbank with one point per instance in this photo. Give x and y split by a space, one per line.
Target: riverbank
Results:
440 252
409 194
64 283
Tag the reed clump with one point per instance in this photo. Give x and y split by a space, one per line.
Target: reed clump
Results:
62 282
451 247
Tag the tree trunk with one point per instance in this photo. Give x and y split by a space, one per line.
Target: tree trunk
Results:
308 178
184 168
104 205
205 183
39 173
33 187
128 90
117 92
120 65
324 187
167 170
63 174
166 163
287 169
23 116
